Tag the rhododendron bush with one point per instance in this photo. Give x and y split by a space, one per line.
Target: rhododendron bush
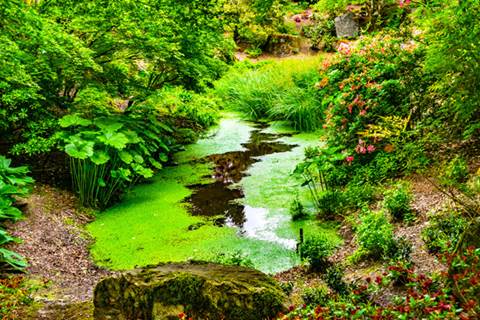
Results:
367 93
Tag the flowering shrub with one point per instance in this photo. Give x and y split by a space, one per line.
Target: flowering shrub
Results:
367 94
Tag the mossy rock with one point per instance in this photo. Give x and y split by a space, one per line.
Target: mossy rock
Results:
202 290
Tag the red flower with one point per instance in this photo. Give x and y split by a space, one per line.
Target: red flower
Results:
349 159
370 148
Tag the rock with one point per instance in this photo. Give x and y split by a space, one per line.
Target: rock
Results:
201 290
346 26
283 44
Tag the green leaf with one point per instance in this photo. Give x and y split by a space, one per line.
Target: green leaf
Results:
163 157
13 259
125 156
11 213
155 163
101 182
73 120
114 139
108 125
79 148
138 158
100 157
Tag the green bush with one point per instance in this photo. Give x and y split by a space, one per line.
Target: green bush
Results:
321 33
315 295
375 235
297 210
455 172
452 35
359 196
397 201
334 279
330 203
443 232
316 251
110 153
401 250
236 258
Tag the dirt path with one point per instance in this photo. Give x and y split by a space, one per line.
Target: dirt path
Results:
56 247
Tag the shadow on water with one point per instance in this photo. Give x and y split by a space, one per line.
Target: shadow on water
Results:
218 198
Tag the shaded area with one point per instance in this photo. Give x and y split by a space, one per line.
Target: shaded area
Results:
218 198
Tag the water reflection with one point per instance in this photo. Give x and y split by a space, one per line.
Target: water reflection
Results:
218 198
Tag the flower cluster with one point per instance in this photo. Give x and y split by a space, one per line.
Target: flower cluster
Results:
363 148
403 3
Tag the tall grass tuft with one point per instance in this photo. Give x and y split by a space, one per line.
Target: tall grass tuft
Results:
275 90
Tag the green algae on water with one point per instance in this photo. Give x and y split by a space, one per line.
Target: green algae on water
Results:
153 225
228 136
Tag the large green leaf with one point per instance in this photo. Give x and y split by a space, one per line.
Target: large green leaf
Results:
114 139
11 213
79 148
100 157
5 237
13 259
72 120
108 125
125 156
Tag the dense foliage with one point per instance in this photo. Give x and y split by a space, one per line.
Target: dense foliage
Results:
14 183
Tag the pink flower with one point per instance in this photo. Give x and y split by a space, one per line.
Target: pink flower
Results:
370 148
403 2
363 112
349 159
344 48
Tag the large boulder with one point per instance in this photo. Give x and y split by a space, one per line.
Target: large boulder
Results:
201 290
346 26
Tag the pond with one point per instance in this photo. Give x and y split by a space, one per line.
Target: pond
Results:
230 192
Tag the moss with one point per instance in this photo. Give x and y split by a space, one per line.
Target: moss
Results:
205 291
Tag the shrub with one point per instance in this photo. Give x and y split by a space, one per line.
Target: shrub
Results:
443 232
397 201
334 279
375 235
297 210
359 196
321 33
110 153
315 295
455 172
330 203
400 250
316 251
